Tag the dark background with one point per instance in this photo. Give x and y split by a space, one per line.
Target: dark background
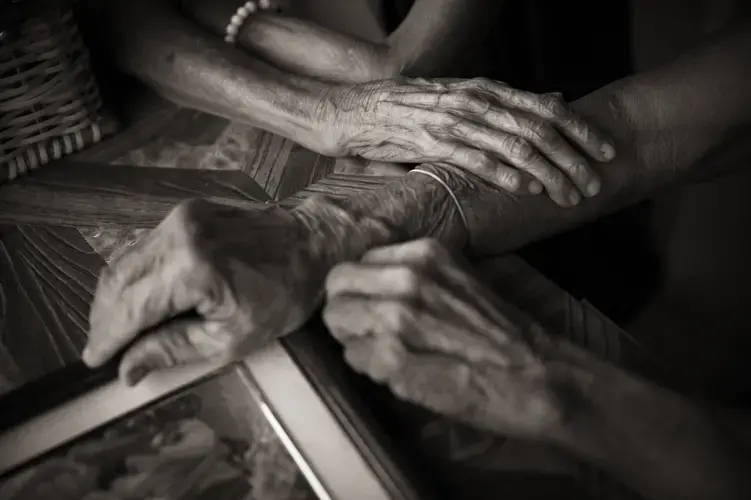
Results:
574 48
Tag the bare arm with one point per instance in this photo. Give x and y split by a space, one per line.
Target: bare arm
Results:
189 65
667 124
489 130
657 442
432 37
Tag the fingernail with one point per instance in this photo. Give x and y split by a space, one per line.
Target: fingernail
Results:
535 187
574 198
608 151
593 187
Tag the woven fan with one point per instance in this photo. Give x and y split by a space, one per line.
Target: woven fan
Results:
50 104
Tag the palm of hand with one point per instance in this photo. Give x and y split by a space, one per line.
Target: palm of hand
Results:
411 317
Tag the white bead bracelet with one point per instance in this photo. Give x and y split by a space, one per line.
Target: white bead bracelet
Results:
241 15
238 19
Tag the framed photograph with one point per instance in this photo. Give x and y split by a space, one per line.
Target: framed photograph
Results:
282 424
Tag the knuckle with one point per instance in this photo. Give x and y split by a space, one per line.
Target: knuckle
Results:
554 180
184 218
106 275
541 131
440 120
579 170
398 316
554 105
521 149
429 248
578 127
186 210
464 98
408 280
510 179
336 275
484 163
481 82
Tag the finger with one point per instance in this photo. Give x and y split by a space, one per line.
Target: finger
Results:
426 329
350 317
545 138
578 130
481 162
519 153
423 252
372 280
552 107
177 285
176 343
539 132
462 153
377 357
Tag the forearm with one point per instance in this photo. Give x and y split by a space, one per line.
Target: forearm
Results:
660 140
298 46
427 43
655 441
195 68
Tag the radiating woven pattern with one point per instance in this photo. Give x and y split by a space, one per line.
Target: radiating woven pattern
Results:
49 101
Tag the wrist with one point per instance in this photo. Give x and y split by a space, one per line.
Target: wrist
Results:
410 207
465 187
574 376
336 234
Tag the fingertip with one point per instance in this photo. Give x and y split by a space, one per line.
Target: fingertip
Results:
608 151
535 187
593 187
91 357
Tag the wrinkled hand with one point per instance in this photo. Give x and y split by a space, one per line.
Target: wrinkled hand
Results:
520 141
411 318
210 282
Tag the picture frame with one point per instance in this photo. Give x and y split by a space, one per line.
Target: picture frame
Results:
294 395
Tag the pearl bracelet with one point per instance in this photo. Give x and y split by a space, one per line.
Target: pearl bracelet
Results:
241 15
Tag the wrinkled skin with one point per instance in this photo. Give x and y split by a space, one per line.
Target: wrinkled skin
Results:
242 276
411 317
520 141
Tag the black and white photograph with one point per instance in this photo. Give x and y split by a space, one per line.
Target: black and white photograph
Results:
375 250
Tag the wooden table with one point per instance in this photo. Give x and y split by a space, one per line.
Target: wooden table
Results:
59 226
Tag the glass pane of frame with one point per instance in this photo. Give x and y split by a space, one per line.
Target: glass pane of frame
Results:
208 441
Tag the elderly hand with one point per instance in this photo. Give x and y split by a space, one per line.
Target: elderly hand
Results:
410 317
520 141
210 282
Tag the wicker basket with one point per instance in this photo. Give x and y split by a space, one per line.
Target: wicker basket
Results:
50 104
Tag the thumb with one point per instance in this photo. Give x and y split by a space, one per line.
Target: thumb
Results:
178 342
